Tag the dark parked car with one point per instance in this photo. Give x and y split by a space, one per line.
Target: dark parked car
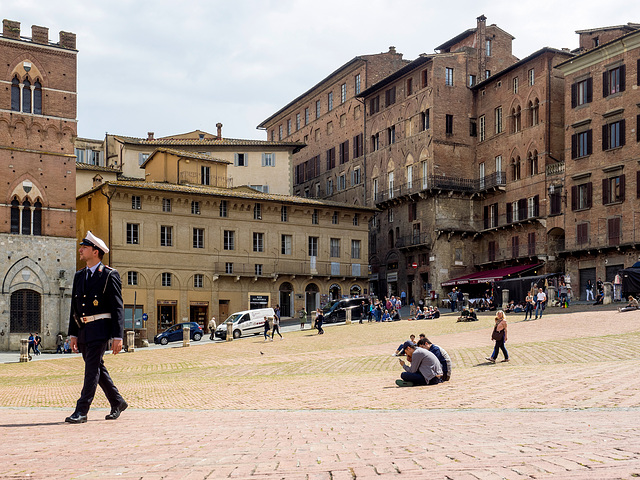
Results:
174 333
338 311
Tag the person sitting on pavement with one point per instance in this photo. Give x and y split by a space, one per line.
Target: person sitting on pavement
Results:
400 350
425 368
386 317
441 354
599 298
632 305
66 348
470 317
420 314
395 315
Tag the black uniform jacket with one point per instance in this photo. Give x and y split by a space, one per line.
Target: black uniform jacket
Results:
101 294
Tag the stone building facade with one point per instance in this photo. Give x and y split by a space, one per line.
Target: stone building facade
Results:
330 120
421 139
263 165
602 148
37 210
186 251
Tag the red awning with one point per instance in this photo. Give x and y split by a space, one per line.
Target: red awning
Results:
489 275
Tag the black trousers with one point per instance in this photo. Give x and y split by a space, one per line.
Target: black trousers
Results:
95 373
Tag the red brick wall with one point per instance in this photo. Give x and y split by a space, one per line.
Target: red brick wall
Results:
40 147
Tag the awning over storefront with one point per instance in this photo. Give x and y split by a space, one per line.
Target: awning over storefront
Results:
489 275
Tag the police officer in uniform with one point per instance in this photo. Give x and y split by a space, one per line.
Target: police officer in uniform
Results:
97 315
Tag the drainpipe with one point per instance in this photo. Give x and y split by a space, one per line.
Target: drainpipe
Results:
109 191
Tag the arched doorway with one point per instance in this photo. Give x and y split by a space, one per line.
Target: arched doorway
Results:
355 291
25 311
311 297
335 292
555 240
286 294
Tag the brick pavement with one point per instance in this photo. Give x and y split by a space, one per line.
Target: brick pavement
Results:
311 406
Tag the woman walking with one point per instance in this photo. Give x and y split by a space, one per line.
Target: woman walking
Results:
500 336
303 318
276 327
528 305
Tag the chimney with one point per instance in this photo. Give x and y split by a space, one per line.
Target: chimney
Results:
392 49
219 127
68 40
11 29
150 136
40 34
481 38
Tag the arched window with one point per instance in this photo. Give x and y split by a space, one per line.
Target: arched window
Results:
37 218
535 110
517 125
37 98
25 311
15 216
533 162
15 94
26 218
515 168
26 96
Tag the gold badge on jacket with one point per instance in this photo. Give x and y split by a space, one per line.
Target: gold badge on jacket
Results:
95 303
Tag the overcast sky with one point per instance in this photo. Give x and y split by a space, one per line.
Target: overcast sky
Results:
171 66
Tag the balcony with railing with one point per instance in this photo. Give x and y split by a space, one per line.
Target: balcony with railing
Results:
555 169
444 183
270 267
525 215
413 241
196 178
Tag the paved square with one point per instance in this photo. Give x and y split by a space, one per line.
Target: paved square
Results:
566 406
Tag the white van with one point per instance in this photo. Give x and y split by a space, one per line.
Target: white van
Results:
245 323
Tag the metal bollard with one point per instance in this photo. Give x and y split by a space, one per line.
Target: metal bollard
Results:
131 340
24 350
186 335
229 331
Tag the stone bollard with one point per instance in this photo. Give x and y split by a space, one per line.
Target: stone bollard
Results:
131 341
505 298
465 302
551 296
608 293
24 350
229 331
347 319
186 335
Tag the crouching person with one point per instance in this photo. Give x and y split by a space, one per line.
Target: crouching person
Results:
425 368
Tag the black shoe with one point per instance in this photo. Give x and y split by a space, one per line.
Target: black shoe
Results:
117 410
76 418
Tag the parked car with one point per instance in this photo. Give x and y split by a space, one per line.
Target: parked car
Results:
174 333
338 311
245 322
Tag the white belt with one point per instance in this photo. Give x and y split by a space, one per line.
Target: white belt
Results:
91 318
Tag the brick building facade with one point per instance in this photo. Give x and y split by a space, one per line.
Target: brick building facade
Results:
602 173
330 120
37 210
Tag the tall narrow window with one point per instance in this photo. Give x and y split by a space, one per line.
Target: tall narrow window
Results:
223 208
449 124
448 76
330 101
205 175
343 93
26 96
166 236
37 218
498 114
357 83
257 211
284 213
15 94
15 216
26 217
37 98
